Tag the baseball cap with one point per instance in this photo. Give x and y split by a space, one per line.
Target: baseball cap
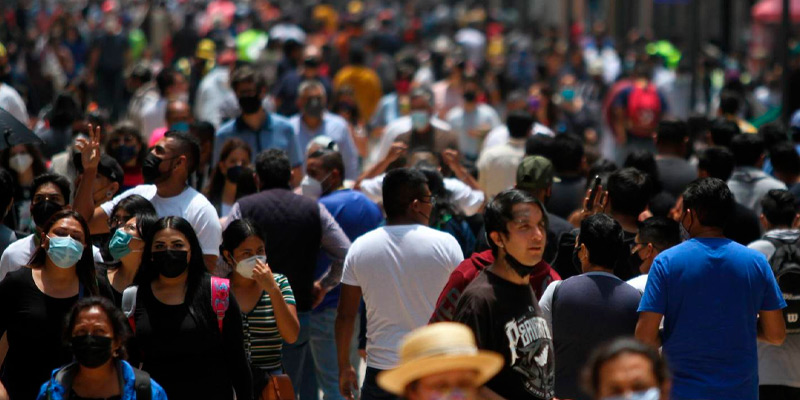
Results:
108 167
534 173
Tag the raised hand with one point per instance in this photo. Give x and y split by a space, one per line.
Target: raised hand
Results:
90 148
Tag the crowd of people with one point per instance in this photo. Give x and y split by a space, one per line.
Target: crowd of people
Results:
251 200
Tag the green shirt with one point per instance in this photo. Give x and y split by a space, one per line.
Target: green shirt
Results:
262 341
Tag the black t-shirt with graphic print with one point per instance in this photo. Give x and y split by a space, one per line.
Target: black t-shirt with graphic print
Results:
506 318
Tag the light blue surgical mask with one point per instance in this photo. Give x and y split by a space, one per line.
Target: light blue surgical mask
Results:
419 120
119 246
649 394
246 266
64 252
180 126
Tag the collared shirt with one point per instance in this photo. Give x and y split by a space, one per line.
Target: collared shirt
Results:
334 127
275 133
497 166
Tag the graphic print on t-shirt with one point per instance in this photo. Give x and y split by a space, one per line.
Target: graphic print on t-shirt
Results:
531 346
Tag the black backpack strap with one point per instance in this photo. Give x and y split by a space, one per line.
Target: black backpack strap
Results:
142 385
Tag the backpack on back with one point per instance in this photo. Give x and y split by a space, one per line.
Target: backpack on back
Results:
785 264
220 300
644 109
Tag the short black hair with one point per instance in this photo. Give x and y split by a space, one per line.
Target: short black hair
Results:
247 74
711 199
187 146
331 160
602 236
274 169
202 130
773 134
119 324
165 79
629 191
519 124
401 187
567 153
497 213
747 149
778 207
661 232
717 161
61 182
672 132
729 102
722 132
6 181
619 347
539 145
785 159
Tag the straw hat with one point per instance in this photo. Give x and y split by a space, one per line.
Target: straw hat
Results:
437 348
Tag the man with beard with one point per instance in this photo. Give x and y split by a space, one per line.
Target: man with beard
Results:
259 129
166 170
501 308
50 195
587 310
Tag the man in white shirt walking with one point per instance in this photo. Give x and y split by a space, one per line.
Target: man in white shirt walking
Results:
400 270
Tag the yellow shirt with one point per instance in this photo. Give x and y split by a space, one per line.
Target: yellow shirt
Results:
366 88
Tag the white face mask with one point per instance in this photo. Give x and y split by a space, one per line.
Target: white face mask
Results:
20 162
246 266
311 187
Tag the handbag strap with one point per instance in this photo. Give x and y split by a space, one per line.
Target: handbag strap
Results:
276 386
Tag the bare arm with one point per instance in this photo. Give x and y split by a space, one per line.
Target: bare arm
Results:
397 150
647 328
335 244
771 327
90 158
619 125
349 300
451 159
285 314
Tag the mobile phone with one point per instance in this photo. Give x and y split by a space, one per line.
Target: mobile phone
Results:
593 192
356 393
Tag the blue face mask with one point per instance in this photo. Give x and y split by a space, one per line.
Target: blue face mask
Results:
649 394
180 126
419 120
119 246
64 252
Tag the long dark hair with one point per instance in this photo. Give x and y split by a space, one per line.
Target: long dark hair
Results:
444 208
119 324
38 165
85 266
217 177
236 233
125 128
197 298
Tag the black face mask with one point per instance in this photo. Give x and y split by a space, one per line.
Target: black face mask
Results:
313 107
150 171
576 261
170 263
249 104
43 210
521 269
234 173
91 351
634 261
470 96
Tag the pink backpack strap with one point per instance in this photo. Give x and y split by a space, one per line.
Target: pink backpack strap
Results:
220 297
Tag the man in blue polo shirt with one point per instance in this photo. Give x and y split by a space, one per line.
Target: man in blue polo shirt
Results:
255 126
717 298
356 215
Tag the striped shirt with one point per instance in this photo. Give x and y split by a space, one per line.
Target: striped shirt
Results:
262 341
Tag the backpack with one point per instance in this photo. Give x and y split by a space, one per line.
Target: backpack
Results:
66 375
785 263
644 110
220 300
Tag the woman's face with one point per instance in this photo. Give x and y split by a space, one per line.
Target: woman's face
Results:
67 227
252 246
626 374
236 157
131 227
120 217
171 239
94 321
452 384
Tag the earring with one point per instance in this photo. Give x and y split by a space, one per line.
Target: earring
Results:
109 194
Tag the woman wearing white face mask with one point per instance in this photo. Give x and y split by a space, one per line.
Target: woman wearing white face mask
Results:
266 300
36 300
25 162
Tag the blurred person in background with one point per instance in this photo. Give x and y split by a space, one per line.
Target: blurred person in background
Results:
627 369
26 162
234 157
364 81
124 143
472 120
7 234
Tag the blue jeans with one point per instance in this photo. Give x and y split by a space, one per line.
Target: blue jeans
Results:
323 348
298 363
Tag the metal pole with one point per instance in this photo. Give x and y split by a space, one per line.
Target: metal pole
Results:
784 41
694 49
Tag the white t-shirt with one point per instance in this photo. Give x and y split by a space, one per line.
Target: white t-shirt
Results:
401 269
11 101
467 198
639 282
18 254
190 205
500 135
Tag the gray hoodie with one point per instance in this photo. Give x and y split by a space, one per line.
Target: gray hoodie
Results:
750 184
